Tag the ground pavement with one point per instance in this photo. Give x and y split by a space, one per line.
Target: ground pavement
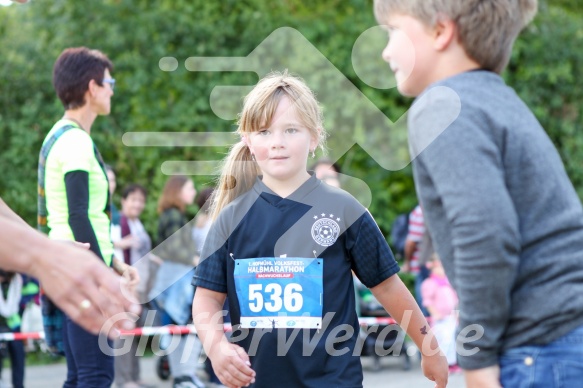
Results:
390 375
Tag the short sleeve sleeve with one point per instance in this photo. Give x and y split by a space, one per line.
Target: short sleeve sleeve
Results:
372 259
76 151
211 273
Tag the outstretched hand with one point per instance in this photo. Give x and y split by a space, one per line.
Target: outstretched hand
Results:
85 289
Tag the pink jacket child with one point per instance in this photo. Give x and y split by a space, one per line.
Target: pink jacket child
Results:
441 300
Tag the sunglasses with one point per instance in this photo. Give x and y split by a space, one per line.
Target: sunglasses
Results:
109 81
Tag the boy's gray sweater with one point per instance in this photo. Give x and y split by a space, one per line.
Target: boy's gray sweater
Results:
505 218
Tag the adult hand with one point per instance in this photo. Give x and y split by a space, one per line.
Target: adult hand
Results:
232 366
155 259
81 245
483 378
127 242
132 278
130 275
75 243
83 287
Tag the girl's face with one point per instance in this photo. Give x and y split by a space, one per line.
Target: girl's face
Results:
281 149
133 205
188 193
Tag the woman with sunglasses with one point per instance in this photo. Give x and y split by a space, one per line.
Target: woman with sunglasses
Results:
76 198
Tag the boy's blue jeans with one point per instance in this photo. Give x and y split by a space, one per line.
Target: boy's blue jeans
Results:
558 364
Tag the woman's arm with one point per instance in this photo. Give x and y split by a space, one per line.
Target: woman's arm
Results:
77 187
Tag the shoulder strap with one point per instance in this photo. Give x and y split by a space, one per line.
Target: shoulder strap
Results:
101 163
42 160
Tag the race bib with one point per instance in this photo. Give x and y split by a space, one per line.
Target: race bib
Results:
280 293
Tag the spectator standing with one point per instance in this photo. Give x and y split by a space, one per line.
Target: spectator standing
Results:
10 297
172 291
133 201
76 193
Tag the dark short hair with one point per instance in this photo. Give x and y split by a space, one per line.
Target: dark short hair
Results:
320 161
73 71
132 188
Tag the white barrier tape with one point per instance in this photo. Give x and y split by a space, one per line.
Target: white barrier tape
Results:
172 329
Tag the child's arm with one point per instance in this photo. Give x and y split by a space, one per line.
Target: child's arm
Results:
398 301
230 362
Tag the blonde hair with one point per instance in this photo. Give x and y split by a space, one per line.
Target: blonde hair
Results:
434 257
487 29
239 170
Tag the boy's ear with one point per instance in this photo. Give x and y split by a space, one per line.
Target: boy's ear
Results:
444 33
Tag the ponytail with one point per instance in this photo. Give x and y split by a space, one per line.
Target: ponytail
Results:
238 174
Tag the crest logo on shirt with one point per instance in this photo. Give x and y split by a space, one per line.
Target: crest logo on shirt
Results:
325 231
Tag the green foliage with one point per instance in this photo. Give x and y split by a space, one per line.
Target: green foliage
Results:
545 69
135 34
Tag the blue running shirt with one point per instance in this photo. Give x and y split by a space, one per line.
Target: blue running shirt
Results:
286 265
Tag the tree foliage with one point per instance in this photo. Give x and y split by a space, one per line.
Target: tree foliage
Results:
136 34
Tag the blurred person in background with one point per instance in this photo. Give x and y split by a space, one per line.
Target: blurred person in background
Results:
10 296
136 254
172 291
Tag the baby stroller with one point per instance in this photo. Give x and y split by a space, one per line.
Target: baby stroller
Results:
379 335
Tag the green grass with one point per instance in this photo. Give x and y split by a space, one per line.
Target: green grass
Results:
38 357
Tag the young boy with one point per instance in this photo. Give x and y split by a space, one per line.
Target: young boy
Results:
502 212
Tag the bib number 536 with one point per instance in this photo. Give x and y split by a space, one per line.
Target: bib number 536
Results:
273 298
